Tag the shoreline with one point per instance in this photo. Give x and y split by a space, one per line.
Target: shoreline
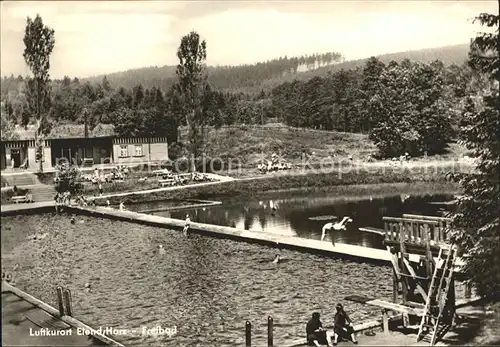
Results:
286 181
254 186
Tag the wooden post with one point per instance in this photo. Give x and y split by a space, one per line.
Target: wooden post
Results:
468 290
394 287
60 302
452 300
248 334
385 321
428 257
270 326
402 266
67 302
406 320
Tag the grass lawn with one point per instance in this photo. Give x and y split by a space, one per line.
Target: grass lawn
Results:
253 143
245 146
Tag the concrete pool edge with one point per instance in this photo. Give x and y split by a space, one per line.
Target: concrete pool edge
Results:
197 203
339 250
24 209
350 252
71 321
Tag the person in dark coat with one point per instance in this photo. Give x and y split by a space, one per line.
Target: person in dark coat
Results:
343 325
316 335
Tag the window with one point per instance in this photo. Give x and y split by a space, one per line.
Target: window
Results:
138 151
124 151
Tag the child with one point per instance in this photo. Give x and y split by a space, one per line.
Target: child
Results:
186 227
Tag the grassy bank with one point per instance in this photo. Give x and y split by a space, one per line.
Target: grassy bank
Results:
249 144
129 185
310 181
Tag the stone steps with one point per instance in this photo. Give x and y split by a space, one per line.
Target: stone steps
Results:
19 180
43 193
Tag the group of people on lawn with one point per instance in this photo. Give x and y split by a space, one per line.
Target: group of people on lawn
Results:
342 328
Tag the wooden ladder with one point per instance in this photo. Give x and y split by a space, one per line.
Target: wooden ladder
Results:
437 293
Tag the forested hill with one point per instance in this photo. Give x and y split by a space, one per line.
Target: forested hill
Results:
230 78
252 79
265 76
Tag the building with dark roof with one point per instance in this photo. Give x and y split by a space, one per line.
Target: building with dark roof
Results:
73 147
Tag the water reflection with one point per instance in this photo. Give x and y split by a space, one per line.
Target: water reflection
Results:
302 216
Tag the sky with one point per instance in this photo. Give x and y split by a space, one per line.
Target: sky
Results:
98 37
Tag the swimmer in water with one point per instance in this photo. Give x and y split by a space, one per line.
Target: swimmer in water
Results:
274 207
186 226
277 259
161 250
335 226
72 220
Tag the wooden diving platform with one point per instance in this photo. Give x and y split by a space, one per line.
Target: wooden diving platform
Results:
372 230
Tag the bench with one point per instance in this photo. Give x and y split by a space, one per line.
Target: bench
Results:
88 161
160 173
391 306
22 198
166 183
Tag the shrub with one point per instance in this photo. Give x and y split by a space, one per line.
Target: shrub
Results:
68 179
46 177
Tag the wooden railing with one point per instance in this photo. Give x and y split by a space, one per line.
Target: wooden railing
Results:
443 227
417 230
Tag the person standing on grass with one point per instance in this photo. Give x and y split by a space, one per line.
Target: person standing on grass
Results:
56 200
186 226
101 190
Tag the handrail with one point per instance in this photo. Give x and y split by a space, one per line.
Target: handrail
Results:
410 220
418 216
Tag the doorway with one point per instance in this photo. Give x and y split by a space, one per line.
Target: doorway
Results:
15 154
66 153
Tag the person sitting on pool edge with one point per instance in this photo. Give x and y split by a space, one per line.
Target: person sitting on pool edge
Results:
343 325
316 335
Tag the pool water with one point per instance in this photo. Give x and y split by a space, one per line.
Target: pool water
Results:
305 215
207 288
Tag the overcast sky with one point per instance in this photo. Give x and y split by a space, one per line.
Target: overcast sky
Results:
95 37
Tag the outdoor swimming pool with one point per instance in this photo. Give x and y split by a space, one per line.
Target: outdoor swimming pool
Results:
206 287
304 215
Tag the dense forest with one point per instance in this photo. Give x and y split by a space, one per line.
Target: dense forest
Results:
251 79
370 97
